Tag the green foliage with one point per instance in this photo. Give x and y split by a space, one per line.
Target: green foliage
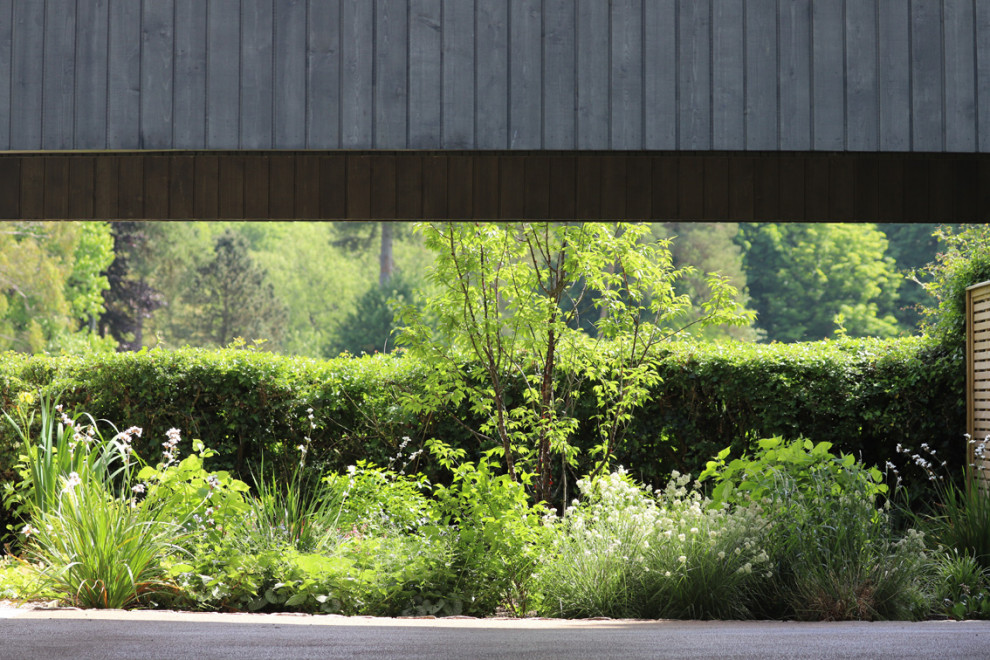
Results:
960 520
962 587
51 276
965 262
93 549
803 276
800 461
504 310
498 532
626 552
370 327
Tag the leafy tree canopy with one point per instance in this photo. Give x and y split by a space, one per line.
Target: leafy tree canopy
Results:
810 280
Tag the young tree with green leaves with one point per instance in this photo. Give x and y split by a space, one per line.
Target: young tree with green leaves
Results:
502 317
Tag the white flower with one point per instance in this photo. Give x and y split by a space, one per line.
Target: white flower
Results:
682 559
72 481
681 537
138 489
28 530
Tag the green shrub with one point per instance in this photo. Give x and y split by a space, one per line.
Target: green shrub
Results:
863 396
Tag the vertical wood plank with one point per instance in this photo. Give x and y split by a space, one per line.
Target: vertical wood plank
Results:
943 189
766 189
256 93
10 187
665 186
841 188
792 192
694 85
960 74
408 187
59 75
486 188
890 186
536 189
613 186
816 190
333 187
425 74
926 76
559 91
189 94
563 191
383 195
691 187
460 180
124 76
181 187
231 187
359 187
91 76
6 68
966 183
130 187
982 28
525 74
434 187
307 183
156 187
223 64
660 74
866 188
457 36
206 190
761 75
281 186
356 94
862 98
741 191
105 187
492 82
716 187
895 76
81 198
593 48
32 193
323 75
626 93
795 75
639 187
983 188
728 76
27 56
391 94
828 65
157 39
512 181
258 186
290 74
56 204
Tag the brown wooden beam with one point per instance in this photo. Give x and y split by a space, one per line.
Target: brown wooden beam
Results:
492 185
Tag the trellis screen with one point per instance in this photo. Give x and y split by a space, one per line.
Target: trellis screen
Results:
978 380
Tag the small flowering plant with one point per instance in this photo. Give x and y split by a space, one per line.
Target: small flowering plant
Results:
197 499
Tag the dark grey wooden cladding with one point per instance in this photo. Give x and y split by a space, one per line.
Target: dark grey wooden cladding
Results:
626 75
490 185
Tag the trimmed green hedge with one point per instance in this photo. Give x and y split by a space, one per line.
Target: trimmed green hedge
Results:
865 396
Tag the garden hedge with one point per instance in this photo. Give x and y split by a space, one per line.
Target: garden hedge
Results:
865 396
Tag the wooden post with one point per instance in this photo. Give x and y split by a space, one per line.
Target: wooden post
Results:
978 382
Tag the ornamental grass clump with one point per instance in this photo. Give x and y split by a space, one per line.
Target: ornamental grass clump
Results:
626 552
834 554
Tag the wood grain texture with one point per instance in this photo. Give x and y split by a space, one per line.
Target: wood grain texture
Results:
26 60
593 47
728 76
894 79
392 94
257 75
6 53
289 83
189 95
458 76
761 75
491 49
425 74
223 66
323 74
526 74
627 118
660 73
59 71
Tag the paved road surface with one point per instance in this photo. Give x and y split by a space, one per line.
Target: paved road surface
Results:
37 634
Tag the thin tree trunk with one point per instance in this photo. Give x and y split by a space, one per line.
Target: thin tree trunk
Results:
386 262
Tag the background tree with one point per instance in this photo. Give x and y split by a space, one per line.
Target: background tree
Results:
912 246
803 276
51 283
233 298
370 326
130 298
